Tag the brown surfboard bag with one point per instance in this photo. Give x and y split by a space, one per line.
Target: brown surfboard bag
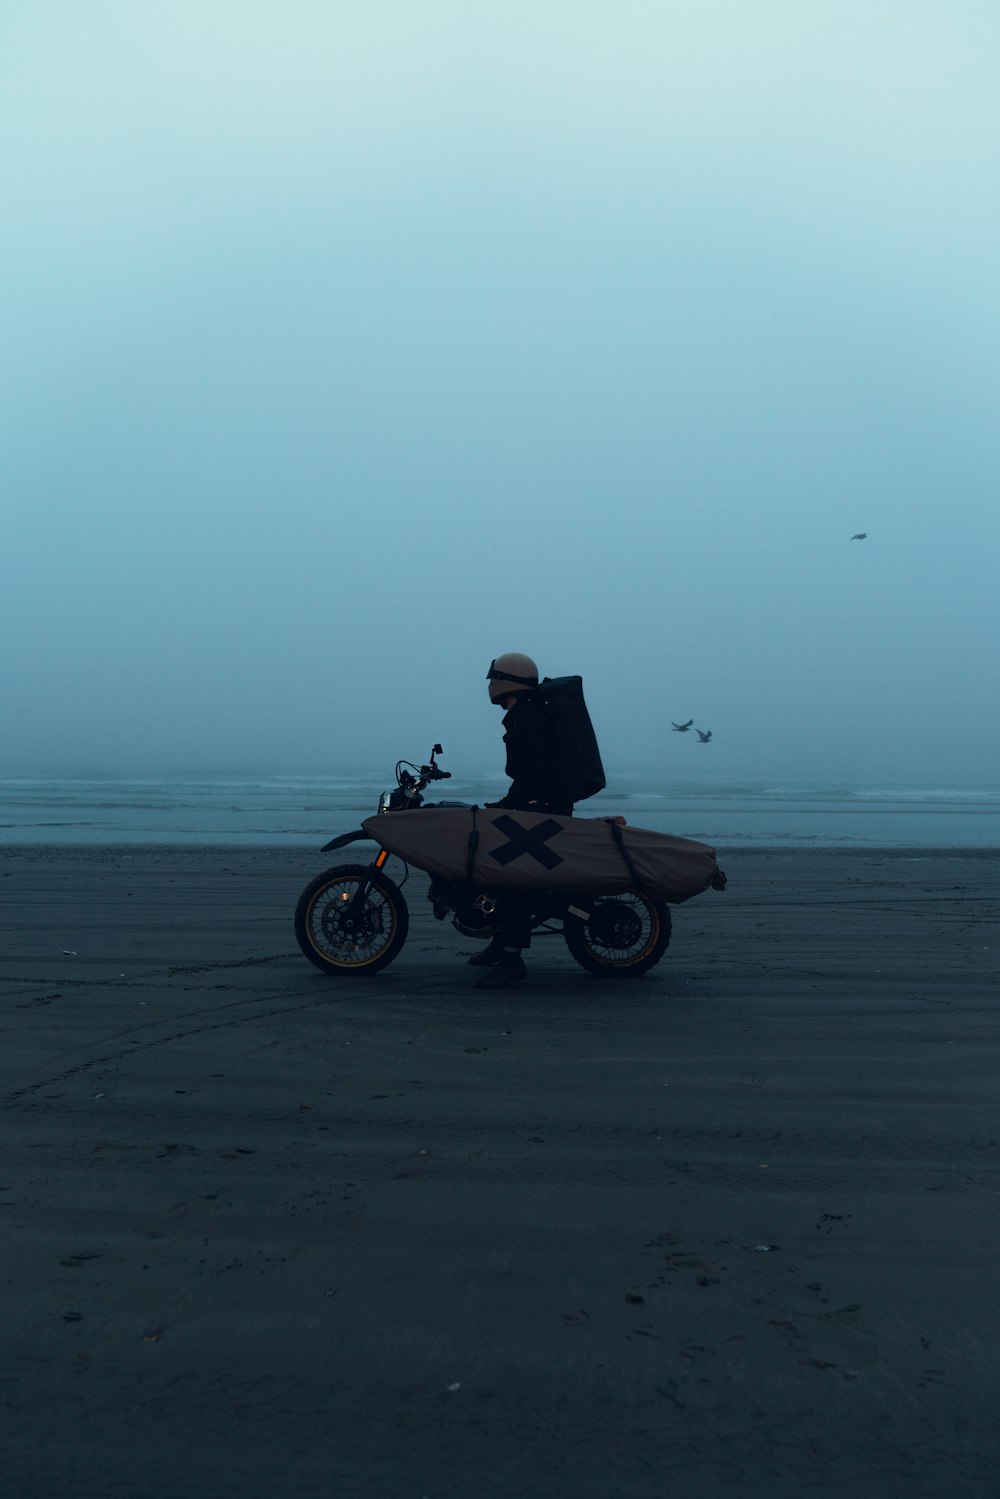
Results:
499 849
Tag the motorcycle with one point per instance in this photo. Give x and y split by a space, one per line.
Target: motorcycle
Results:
353 919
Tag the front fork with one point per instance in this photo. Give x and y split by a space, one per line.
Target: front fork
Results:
359 899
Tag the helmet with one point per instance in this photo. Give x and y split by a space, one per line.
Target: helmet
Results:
511 673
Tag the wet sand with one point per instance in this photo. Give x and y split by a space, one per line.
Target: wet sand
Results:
728 1229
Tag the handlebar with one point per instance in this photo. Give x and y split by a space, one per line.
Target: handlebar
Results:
411 785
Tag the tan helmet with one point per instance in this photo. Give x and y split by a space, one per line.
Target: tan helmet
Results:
511 673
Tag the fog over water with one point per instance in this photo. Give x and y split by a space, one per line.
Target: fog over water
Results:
348 345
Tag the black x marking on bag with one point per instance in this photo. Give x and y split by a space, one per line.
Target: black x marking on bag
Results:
527 841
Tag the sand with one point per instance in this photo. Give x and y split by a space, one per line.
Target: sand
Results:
730 1228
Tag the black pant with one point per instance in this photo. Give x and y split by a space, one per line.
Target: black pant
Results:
513 918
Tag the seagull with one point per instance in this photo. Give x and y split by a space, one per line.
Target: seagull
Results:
703 738
859 536
682 728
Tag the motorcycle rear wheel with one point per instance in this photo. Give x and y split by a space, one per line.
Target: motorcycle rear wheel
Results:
624 935
340 941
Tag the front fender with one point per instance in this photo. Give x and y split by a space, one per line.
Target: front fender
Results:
358 836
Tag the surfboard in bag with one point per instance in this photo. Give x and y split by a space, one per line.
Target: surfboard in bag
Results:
505 850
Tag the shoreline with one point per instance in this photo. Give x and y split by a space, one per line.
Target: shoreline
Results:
30 849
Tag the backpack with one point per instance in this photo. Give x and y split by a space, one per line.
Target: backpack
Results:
573 739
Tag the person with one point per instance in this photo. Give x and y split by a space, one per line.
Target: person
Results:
539 782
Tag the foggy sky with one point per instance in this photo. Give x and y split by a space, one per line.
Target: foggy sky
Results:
348 345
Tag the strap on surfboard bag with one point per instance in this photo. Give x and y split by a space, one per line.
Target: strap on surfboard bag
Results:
473 845
616 833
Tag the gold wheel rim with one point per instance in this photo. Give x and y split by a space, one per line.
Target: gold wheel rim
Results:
654 932
326 953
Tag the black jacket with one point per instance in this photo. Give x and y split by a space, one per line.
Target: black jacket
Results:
539 782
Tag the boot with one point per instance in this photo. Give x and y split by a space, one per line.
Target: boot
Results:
489 955
509 970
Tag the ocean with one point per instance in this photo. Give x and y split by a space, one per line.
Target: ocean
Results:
300 811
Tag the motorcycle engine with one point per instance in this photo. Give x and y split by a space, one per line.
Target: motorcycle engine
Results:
472 921
473 911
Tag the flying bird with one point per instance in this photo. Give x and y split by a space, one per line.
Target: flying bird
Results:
859 536
703 738
682 728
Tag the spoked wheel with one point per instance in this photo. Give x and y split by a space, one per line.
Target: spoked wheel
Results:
623 935
341 937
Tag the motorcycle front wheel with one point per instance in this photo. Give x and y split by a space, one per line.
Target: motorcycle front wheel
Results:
340 939
623 936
